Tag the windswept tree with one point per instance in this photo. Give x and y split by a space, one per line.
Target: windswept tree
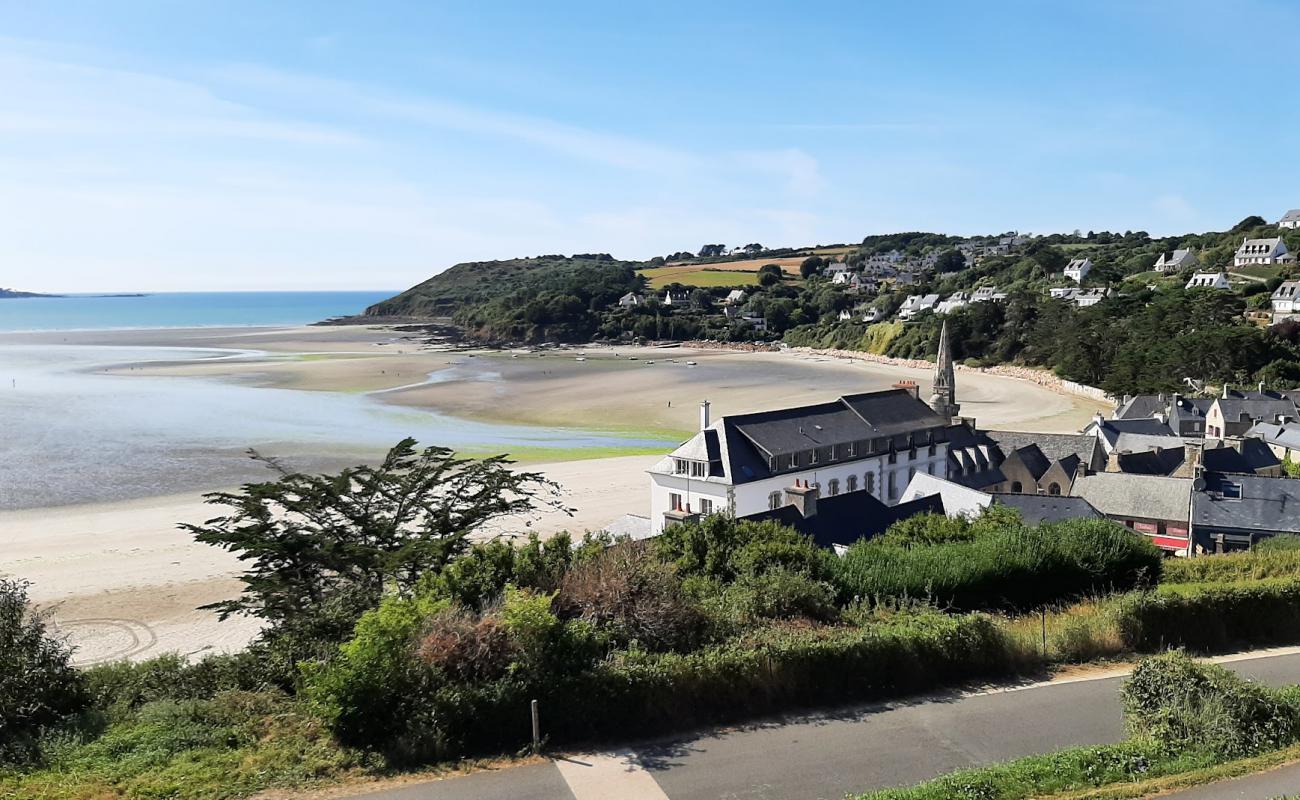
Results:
316 541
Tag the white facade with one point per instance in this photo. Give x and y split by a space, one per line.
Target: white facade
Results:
1286 300
1262 251
1078 269
703 495
1208 280
1176 261
915 304
1290 219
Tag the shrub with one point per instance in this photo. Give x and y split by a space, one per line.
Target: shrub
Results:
1206 617
1007 568
779 594
466 646
480 576
38 686
1278 562
630 593
723 548
1281 542
1185 704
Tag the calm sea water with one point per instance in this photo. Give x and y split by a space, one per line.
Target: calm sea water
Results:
180 310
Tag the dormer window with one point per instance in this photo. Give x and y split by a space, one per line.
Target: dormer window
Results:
1231 491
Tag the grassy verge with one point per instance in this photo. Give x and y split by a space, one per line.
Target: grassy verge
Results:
1109 772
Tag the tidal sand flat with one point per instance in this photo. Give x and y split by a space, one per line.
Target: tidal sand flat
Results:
114 436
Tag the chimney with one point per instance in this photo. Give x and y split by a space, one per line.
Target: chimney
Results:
1098 419
1261 387
803 497
1225 390
704 415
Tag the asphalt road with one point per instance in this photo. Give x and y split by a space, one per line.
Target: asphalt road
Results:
829 755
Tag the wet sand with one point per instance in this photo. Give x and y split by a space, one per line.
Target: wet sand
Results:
124 582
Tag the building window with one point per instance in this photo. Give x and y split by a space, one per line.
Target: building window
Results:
1054 489
851 483
893 485
675 501
893 456
1231 491
794 459
833 486
911 453
930 468
812 456
870 478
679 466
1017 487
932 449
698 470
774 501
852 448
706 507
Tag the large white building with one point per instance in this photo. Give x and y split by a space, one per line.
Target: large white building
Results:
1262 251
1209 280
1286 300
748 463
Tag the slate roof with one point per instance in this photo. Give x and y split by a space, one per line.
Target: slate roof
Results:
1256 406
1055 446
739 446
1038 508
1141 406
1287 435
847 518
1291 216
1135 496
1266 505
1254 455
1151 462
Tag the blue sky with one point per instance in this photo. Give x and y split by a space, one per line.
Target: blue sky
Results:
187 145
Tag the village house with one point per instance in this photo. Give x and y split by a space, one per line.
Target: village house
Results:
916 303
630 300
1286 301
958 500
1262 251
1155 506
1233 512
749 463
1209 280
837 522
1085 298
987 293
1175 261
1283 438
1236 412
1078 269
735 297
1185 416
1290 219
955 301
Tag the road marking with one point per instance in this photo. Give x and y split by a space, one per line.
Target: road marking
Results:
598 776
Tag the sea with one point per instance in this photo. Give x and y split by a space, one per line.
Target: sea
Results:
180 309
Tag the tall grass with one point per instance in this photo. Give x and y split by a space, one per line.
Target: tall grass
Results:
1263 562
1015 568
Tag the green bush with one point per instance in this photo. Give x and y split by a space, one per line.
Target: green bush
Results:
1279 561
1005 568
724 549
1213 618
39 688
1183 704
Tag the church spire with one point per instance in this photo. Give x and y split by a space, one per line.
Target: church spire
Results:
944 397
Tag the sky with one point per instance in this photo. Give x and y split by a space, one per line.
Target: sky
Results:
303 144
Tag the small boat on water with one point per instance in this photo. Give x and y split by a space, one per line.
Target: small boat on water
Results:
631 358
690 363
648 363
580 358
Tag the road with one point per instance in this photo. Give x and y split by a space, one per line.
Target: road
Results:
826 756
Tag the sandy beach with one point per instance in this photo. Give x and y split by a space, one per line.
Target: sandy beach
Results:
123 581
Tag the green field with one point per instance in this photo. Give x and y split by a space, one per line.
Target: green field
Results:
660 277
1260 271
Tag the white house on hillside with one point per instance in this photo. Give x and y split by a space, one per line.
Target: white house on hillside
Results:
1290 219
1262 251
1208 280
916 303
735 297
1175 261
630 300
1286 300
1091 297
1078 269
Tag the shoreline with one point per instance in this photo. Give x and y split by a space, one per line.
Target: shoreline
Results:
119 572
